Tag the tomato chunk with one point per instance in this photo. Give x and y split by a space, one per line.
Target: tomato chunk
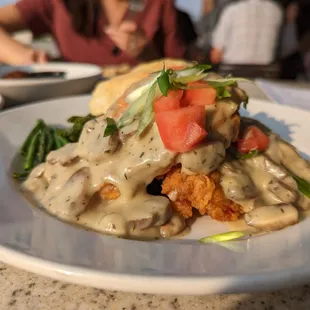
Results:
171 102
253 139
182 129
202 95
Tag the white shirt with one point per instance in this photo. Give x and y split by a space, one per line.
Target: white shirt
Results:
248 32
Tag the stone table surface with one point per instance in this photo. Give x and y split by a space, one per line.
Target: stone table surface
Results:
21 290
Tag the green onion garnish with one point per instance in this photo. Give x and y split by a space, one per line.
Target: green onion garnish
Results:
222 93
148 112
163 82
111 127
303 185
247 155
228 236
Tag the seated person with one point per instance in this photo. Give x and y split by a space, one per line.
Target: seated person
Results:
93 31
247 33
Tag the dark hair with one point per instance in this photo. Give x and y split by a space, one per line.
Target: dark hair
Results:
85 16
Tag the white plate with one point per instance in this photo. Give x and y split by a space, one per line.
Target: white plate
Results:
35 241
80 79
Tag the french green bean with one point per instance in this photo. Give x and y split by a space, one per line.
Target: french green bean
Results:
31 152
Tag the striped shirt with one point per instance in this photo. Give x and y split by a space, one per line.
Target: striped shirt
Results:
248 32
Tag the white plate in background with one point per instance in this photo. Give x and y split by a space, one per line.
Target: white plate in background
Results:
80 79
33 240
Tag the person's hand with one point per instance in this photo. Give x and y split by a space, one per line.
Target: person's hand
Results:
28 56
216 56
36 57
128 38
292 13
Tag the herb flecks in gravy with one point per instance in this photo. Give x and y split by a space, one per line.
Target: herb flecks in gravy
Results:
69 183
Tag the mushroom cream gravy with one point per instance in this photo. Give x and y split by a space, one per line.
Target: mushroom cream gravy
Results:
68 184
264 186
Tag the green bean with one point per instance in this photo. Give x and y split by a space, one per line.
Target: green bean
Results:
74 119
56 140
41 147
62 132
63 141
39 125
31 152
80 119
50 142
20 176
75 132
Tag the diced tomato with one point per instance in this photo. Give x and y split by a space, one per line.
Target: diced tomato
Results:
182 129
171 102
194 134
253 139
202 95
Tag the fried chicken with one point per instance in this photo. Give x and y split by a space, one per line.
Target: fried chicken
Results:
201 192
109 192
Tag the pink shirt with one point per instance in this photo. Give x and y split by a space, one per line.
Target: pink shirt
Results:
158 21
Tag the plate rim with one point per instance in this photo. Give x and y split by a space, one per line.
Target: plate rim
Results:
153 284
199 285
36 82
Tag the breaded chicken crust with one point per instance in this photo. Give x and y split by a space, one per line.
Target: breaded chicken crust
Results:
201 192
109 192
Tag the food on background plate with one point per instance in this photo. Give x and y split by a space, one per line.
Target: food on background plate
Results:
173 147
15 75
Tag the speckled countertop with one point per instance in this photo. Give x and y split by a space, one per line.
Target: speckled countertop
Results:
21 290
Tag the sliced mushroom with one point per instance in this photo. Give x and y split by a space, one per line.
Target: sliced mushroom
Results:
238 186
72 199
271 218
293 161
38 171
236 183
273 149
159 206
266 164
203 159
282 191
64 156
92 144
174 226
37 186
303 202
114 223
220 121
142 223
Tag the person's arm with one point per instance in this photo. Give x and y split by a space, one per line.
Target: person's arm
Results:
220 36
11 51
174 46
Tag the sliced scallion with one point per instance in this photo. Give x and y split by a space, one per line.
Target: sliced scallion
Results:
228 236
148 111
163 82
110 128
247 155
135 109
303 185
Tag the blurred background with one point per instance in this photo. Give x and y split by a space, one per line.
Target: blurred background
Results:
252 38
